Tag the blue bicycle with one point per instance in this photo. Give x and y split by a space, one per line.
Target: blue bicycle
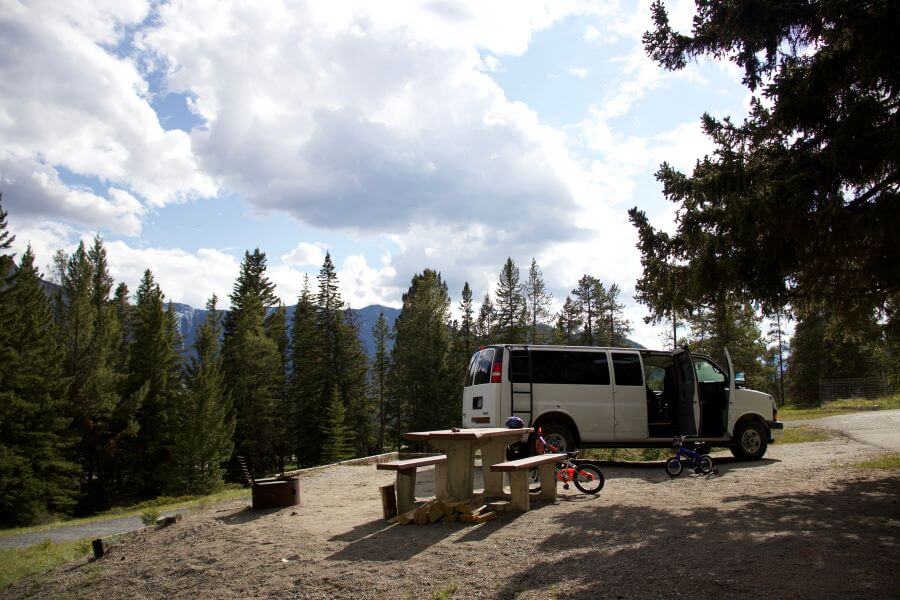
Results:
685 457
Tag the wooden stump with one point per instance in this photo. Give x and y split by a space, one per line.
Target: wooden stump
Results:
388 500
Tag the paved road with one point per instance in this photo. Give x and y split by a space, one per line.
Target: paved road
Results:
92 530
879 428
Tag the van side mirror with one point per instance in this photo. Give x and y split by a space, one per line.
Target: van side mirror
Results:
739 380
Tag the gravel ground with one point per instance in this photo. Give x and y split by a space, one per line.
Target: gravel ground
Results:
798 524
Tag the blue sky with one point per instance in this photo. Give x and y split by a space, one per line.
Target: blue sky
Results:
398 136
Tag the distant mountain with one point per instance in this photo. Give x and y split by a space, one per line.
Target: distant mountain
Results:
190 319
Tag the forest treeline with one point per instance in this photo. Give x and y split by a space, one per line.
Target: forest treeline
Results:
101 403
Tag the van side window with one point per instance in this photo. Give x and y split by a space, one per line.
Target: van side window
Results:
627 368
572 368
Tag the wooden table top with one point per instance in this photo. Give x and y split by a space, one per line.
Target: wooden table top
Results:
477 433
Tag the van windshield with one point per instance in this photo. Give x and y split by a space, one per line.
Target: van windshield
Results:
480 367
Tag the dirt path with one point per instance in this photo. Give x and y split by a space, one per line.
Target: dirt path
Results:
796 525
879 428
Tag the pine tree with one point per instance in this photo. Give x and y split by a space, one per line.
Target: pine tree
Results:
467 324
205 423
378 383
568 324
277 331
338 437
422 346
590 297
485 326
103 421
154 369
511 305
538 300
33 427
305 392
778 336
252 363
353 383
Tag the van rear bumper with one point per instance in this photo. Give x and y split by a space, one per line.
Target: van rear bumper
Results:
776 428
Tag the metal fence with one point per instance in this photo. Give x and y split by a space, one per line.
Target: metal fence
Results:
861 389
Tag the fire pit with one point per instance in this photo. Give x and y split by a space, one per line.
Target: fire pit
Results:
276 493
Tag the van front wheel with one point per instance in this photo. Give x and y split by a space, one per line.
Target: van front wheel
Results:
559 437
749 441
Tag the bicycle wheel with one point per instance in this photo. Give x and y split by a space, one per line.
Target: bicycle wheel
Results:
706 464
589 479
674 467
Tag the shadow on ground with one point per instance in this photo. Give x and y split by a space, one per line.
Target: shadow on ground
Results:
841 542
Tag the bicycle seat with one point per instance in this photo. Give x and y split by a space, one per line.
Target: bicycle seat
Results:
572 454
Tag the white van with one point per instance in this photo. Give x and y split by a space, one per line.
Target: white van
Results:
584 396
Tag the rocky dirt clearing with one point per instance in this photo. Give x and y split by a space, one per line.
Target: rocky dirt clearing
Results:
795 525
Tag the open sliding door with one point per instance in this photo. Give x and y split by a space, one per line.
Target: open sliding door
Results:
688 395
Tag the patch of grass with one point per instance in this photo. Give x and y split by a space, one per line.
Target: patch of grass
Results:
163 503
149 516
446 593
804 433
16 563
885 461
627 454
838 407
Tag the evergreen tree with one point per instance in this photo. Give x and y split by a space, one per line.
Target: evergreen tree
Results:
205 424
353 377
778 336
538 300
33 427
511 305
799 203
485 326
304 388
277 331
379 378
422 346
155 370
590 298
338 437
568 324
729 324
252 363
467 324
103 421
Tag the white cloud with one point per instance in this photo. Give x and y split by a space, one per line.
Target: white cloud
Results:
305 254
69 101
579 72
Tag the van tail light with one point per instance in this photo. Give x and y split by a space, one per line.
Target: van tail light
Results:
496 373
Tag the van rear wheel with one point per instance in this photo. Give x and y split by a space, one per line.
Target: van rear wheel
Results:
559 436
750 441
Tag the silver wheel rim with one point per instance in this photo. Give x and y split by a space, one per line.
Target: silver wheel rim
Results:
557 440
751 441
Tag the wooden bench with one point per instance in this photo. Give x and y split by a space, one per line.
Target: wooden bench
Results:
406 478
518 478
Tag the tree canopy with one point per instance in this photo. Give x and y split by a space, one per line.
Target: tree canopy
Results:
798 204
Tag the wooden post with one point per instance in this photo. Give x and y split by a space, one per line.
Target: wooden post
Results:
459 466
388 501
492 453
518 487
97 546
547 475
406 490
441 491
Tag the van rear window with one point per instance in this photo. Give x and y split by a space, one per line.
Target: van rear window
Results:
480 367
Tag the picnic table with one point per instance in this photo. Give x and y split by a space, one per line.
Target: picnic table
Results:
460 444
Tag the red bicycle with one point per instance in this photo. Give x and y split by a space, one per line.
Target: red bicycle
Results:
586 476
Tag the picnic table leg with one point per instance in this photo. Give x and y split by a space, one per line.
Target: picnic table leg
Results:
518 487
459 467
492 453
441 492
406 490
547 474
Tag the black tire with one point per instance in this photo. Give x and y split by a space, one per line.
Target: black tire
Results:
558 435
706 464
594 479
750 441
674 467
534 480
